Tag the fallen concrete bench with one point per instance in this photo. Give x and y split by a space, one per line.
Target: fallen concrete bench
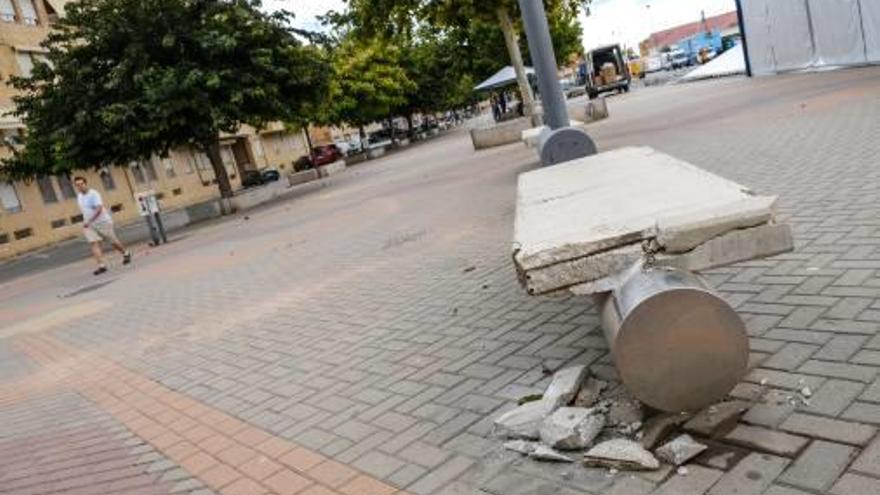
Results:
532 136
499 134
630 227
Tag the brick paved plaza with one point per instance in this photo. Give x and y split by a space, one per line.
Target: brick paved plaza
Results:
359 340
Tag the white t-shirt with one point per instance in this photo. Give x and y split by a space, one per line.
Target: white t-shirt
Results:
89 204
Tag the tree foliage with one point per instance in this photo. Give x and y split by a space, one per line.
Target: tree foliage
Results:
127 79
369 82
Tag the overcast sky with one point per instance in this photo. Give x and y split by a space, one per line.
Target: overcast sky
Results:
619 21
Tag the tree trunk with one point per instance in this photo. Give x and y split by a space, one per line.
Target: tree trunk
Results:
308 140
409 126
213 151
363 134
510 39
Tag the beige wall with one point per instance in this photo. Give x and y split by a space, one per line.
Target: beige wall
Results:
189 180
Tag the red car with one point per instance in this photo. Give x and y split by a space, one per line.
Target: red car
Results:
322 155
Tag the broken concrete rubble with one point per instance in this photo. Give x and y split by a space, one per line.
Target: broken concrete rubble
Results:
590 392
564 386
621 454
625 410
522 446
544 453
716 421
680 450
522 422
659 427
571 428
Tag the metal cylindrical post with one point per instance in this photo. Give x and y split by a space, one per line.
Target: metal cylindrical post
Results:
676 344
544 61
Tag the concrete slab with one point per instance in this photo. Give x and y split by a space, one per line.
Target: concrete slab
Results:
585 220
533 135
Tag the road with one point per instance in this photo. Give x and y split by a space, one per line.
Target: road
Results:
360 339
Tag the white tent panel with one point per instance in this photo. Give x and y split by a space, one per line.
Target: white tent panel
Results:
837 32
790 34
757 30
871 24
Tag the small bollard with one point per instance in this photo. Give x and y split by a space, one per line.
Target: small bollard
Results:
676 344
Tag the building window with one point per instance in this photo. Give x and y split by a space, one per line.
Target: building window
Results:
7 11
76 219
28 12
25 63
177 192
189 164
9 197
137 172
116 208
47 190
57 224
203 162
107 179
4 238
150 169
168 165
66 186
23 233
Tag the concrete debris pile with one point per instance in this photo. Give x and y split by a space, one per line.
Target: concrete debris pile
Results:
582 418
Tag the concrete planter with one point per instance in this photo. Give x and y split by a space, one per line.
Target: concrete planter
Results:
331 168
355 159
501 134
375 153
297 178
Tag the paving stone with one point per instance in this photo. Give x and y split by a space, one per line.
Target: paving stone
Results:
721 456
784 379
863 412
696 482
851 484
378 464
784 490
819 466
773 411
751 476
840 348
868 461
424 454
631 485
717 420
833 397
854 372
444 474
829 429
774 442
790 356
407 475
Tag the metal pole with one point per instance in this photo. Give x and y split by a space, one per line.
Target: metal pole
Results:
544 61
742 31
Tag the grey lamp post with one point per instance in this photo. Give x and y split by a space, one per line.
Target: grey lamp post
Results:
559 142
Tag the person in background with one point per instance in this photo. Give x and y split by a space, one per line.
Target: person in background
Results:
97 224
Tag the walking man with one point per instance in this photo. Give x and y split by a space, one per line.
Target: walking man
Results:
97 224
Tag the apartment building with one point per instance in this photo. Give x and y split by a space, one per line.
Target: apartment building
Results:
44 211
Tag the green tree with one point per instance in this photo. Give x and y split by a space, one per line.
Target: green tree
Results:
369 83
390 17
128 79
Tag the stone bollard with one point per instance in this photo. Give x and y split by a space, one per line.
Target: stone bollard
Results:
676 344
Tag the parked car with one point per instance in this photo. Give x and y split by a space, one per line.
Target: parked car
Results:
270 175
325 154
379 139
252 178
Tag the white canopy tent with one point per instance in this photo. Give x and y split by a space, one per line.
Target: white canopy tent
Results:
789 35
502 78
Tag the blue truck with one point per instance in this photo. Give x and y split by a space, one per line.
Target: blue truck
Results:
694 45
